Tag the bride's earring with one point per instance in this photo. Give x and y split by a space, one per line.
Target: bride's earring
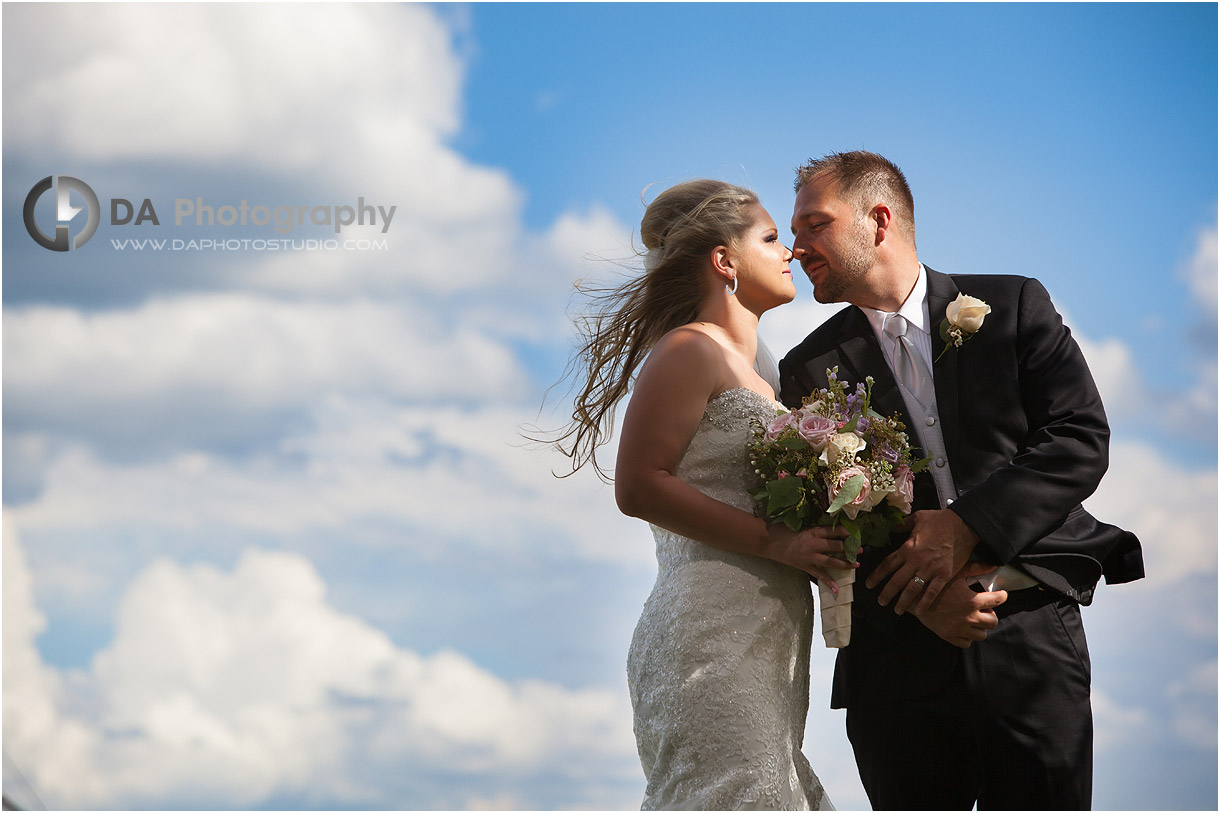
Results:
732 290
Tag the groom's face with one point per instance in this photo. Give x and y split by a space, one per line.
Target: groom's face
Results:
831 240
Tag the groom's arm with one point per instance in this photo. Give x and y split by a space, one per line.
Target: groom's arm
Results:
1039 447
1065 450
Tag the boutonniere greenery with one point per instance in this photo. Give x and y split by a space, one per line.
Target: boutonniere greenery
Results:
963 318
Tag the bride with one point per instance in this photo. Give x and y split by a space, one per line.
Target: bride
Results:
719 664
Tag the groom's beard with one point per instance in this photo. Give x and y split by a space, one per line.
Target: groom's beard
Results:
848 265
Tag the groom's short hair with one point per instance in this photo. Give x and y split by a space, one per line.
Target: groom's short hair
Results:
867 177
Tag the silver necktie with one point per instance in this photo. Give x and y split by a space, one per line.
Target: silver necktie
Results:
910 370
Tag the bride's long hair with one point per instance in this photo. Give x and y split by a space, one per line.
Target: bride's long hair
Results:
623 323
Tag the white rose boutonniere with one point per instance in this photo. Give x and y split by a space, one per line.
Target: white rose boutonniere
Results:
963 318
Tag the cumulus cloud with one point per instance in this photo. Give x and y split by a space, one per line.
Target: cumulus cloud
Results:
1183 510
418 466
342 102
1200 272
259 84
1116 724
26 679
234 686
1130 395
1119 379
246 352
1195 697
424 479
325 392
227 372
785 327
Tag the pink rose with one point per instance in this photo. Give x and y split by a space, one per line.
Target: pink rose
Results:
778 425
861 501
816 430
904 489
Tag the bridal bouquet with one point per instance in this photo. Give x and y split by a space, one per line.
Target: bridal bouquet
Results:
835 461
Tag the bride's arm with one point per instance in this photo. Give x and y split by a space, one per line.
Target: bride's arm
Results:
683 371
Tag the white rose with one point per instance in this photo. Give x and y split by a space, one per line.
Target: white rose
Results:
843 442
967 313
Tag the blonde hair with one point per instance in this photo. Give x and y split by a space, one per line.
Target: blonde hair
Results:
679 229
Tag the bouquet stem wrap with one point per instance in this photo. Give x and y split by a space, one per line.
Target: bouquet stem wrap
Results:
836 610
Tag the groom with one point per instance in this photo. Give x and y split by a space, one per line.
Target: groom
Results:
954 695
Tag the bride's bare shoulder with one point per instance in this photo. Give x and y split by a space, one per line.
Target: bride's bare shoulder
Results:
689 345
687 358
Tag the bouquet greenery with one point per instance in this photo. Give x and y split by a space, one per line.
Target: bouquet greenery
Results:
836 461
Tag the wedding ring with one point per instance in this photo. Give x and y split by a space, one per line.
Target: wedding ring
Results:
919 581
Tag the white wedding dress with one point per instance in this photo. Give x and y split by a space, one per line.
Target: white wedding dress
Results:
719 663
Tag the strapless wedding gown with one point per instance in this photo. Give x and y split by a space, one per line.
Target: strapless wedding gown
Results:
719 663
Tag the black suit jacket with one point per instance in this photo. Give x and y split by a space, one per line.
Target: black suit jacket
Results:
1027 440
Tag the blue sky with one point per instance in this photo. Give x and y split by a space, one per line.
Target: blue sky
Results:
271 537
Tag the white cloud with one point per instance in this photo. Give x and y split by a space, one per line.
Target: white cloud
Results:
1194 698
787 326
510 280
1171 508
419 467
343 101
1118 378
1201 272
1130 395
1116 724
239 351
264 85
232 687
25 677
826 745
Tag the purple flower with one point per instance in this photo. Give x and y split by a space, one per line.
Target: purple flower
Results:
886 452
862 425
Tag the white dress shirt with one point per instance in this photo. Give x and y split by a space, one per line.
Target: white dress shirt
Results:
927 420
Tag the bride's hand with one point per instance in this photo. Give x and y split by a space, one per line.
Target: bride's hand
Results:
812 551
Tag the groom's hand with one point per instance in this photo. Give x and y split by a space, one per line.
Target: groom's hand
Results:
960 615
938 547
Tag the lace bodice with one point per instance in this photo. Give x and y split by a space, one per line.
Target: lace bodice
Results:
719 664
716 462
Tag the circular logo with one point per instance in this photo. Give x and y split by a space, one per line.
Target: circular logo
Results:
65 212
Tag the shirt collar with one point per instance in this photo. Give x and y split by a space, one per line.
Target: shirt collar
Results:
914 310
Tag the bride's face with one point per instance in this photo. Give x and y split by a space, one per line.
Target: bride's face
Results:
764 276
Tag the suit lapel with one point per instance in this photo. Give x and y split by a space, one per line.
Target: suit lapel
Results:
858 347
941 291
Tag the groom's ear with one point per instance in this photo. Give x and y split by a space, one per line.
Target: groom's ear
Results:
882 219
